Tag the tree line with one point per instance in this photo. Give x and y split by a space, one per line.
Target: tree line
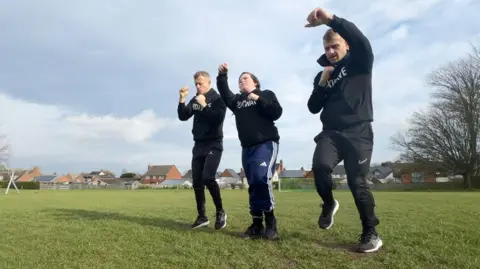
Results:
445 135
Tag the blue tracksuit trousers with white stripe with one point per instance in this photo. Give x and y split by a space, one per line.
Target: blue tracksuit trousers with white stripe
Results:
259 165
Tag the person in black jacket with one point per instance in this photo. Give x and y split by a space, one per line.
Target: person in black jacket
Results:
255 114
343 92
208 111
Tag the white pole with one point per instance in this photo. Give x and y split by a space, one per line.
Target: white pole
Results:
12 177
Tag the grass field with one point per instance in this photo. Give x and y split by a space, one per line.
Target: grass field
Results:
150 229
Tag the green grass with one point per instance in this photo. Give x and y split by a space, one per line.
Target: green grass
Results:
150 229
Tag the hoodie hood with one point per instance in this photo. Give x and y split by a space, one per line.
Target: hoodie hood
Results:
323 60
256 91
207 93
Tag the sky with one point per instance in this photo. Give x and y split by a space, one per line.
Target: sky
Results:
88 85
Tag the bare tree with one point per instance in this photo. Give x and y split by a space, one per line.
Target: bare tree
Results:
4 149
446 135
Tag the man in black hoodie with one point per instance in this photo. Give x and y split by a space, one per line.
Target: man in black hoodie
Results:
343 92
208 111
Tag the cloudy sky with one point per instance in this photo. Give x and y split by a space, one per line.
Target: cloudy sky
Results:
90 84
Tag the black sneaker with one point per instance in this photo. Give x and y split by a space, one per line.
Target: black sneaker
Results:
370 241
220 220
254 231
271 232
325 221
200 222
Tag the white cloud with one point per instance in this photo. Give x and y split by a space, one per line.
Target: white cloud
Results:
264 37
54 133
400 33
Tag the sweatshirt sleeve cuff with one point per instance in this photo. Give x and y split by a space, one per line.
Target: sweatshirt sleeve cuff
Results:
319 88
206 109
334 22
260 100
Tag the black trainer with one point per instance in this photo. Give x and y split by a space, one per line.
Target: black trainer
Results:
254 231
220 220
271 232
370 241
325 221
200 222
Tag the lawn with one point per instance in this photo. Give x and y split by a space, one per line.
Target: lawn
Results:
150 229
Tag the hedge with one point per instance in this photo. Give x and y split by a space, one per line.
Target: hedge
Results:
29 185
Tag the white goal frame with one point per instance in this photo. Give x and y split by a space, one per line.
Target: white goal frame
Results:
11 174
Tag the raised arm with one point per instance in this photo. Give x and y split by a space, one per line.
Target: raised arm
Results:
360 47
184 112
268 103
222 86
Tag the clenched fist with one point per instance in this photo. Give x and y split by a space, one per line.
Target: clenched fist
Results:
183 94
223 68
201 100
253 97
327 72
318 16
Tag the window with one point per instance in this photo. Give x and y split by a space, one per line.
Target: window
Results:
417 177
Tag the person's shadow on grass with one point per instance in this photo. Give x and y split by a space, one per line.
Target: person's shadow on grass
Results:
160 222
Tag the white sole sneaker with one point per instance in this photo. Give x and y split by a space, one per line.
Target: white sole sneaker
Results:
225 224
201 225
376 248
335 209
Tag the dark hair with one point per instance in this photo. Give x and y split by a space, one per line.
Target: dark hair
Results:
254 78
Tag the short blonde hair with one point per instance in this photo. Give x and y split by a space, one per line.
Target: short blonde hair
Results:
204 74
329 35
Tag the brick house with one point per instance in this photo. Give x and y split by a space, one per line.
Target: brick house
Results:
5 174
29 175
409 173
76 178
337 173
293 173
156 174
64 179
418 177
230 176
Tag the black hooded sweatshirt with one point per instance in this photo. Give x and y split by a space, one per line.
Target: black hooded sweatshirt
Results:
346 99
207 121
255 120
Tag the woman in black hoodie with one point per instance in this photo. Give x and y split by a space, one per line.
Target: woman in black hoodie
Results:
255 114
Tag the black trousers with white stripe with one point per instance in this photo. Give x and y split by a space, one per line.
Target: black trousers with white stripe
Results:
259 165
354 146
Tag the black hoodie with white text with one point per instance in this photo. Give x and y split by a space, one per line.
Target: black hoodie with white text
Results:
207 126
255 120
346 99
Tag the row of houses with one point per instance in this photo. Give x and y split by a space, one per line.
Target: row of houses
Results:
167 176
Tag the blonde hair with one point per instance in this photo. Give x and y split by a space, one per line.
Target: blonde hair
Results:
204 74
329 35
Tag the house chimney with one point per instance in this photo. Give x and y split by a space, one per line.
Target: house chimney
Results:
149 166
